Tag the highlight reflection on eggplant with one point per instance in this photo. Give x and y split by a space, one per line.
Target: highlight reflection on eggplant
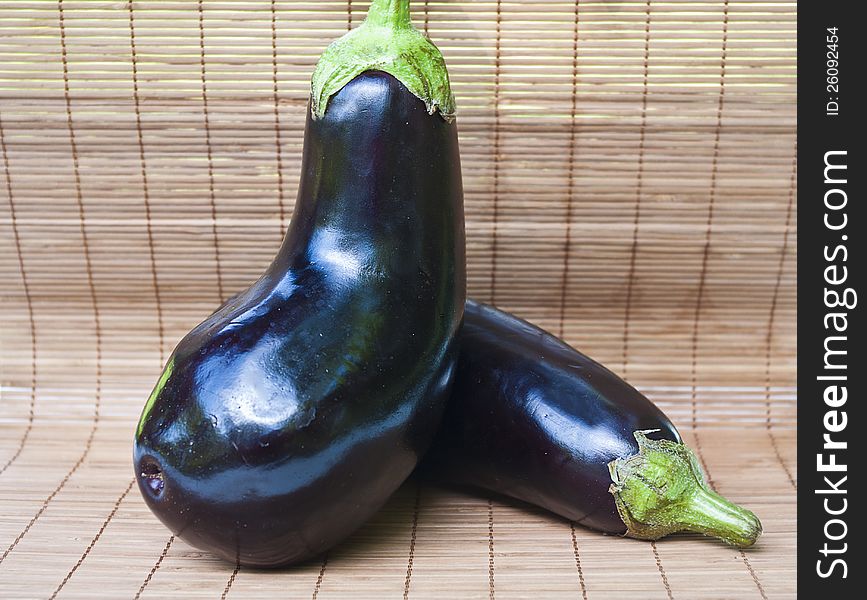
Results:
288 417
534 419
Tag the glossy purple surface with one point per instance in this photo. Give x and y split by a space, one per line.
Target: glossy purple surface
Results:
291 414
534 419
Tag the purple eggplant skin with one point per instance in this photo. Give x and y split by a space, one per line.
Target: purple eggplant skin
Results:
532 418
289 416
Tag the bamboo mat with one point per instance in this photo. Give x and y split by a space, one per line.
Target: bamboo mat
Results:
96 538
629 172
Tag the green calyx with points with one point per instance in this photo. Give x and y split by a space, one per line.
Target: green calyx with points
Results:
662 490
388 42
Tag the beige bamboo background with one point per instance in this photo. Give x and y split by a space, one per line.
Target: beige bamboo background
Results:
629 170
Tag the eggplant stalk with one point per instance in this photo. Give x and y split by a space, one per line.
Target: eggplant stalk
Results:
386 41
662 490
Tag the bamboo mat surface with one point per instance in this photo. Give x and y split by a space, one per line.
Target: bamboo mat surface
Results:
88 535
629 175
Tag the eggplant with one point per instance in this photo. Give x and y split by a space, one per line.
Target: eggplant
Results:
287 418
533 419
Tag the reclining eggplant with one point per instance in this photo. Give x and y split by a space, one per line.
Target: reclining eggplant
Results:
534 419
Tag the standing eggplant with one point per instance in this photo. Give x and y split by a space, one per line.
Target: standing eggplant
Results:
532 418
288 417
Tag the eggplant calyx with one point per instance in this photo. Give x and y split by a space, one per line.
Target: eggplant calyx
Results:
663 490
387 42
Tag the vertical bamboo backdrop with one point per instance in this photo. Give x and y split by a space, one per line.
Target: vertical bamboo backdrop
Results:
629 172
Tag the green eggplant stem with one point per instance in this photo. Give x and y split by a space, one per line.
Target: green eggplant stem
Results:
663 490
389 13
386 41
